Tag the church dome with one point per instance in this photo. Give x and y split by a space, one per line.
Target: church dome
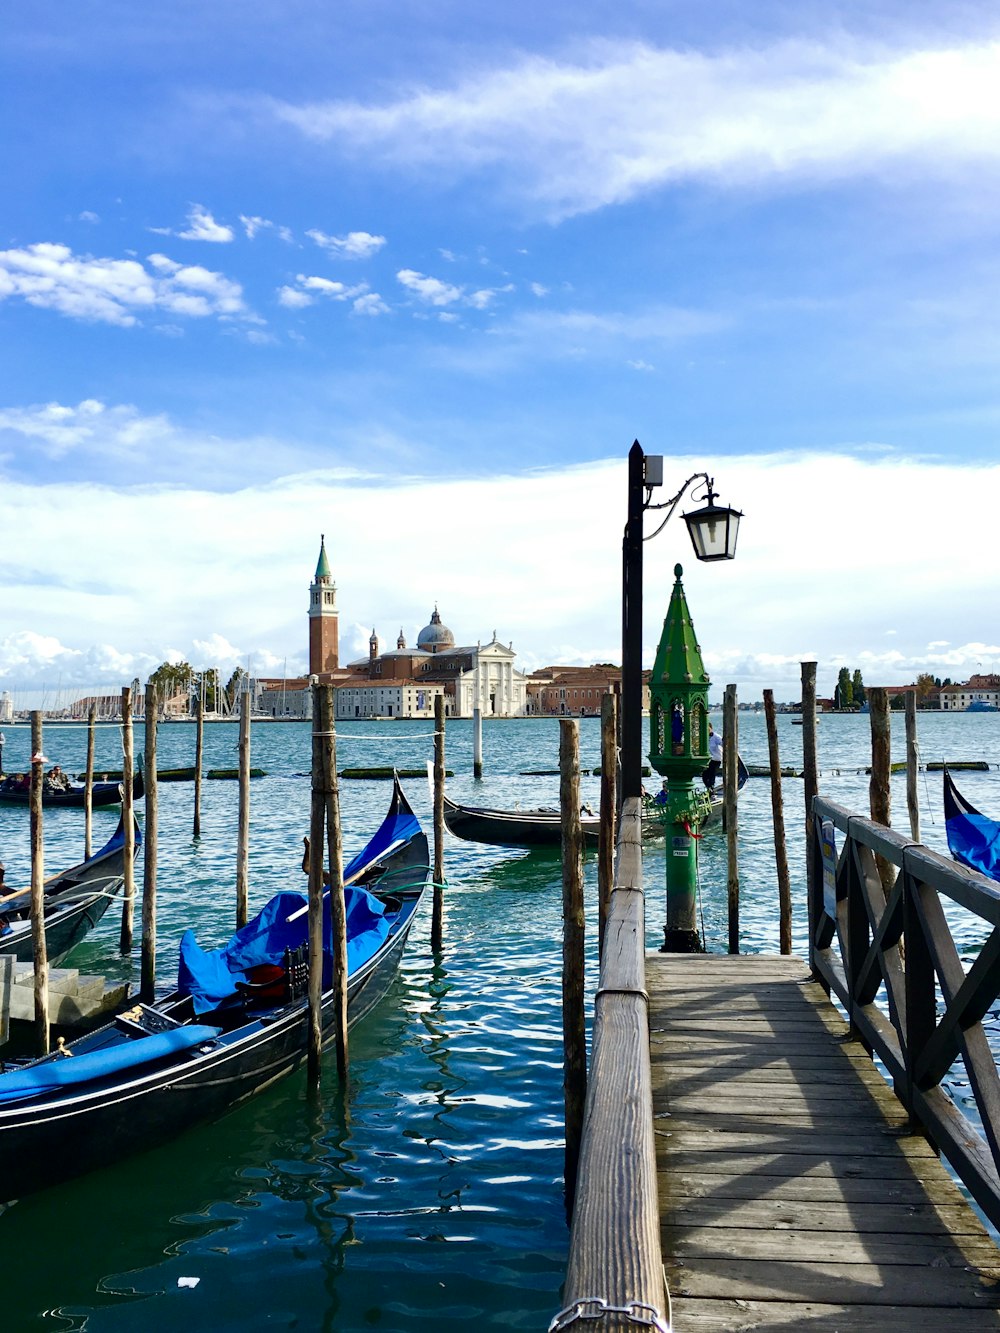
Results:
435 637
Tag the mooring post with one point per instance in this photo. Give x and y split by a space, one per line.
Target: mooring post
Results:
128 819
880 798
317 822
912 765
243 834
810 784
335 870
41 964
437 920
88 785
574 1024
730 751
608 833
147 983
778 819
477 724
199 747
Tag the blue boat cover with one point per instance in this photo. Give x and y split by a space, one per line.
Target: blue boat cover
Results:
973 839
54 1075
210 976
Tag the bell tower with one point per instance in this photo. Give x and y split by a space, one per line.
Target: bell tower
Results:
324 628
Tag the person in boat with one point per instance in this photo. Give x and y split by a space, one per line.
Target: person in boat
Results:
661 796
56 779
714 758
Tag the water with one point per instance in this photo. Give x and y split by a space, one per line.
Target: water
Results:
429 1198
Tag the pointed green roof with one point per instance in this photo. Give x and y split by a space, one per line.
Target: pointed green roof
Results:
323 564
678 658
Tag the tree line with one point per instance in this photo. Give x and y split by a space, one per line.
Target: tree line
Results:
850 690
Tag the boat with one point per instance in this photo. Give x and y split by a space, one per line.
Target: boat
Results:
15 791
973 839
538 827
541 826
237 1021
982 706
75 900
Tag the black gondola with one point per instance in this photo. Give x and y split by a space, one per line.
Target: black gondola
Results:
158 1070
75 900
542 826
14 791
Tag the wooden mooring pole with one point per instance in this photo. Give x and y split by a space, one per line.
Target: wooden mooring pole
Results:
199 750
778 819
317 818
335 869
574 1023
88 785
912 765
608 833
41 964
810 771
730 752
437 919
147 982
477 725
243 833
879 794
128 806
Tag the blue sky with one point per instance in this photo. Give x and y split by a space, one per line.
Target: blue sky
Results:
415 275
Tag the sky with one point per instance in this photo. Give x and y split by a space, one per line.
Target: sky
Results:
415 275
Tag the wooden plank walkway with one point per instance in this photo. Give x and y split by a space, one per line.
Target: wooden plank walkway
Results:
792 1194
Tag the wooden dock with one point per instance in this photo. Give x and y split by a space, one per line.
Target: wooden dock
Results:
792 1192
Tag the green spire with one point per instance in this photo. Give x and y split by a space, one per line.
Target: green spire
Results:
678 658
323 564
678 695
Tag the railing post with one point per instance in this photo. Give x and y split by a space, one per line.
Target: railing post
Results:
778 819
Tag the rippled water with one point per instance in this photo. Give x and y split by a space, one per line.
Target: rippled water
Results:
430 1197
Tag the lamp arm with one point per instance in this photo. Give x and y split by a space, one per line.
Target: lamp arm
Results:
671 505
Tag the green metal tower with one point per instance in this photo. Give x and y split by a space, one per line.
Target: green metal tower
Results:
678 732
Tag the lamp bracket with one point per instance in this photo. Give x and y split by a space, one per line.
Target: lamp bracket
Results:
671 505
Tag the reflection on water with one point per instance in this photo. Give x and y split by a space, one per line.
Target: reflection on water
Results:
430 1196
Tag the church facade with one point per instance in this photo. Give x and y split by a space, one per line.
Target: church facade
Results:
402 682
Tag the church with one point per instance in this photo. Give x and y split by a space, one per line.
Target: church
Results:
402 682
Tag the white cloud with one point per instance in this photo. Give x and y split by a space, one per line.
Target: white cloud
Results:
87 216
430 290
641 365
310 287
633 117
203 227
370 304
355 245
115 291
796 588
538 290
253 225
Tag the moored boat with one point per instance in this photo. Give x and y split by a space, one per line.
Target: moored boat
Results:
75 900
237 1021
541 826
15 789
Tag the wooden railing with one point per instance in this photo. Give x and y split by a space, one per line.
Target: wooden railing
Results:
614 1279
889 956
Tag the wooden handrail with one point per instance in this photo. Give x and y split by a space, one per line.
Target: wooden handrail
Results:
868 942
614 1279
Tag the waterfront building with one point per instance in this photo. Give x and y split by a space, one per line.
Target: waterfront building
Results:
575 691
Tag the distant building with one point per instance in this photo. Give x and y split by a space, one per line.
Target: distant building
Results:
6 707
979 691
575 691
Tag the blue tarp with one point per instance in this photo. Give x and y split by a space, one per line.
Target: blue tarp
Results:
210 977
975 841
53 1075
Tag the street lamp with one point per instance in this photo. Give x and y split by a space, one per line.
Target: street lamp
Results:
713 530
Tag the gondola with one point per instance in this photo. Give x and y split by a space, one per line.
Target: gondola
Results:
75 900
13 792
237 1021
973 839
542 826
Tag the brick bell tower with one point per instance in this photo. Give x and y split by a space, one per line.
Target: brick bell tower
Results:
324 629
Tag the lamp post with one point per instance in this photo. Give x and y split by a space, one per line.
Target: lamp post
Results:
713 530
